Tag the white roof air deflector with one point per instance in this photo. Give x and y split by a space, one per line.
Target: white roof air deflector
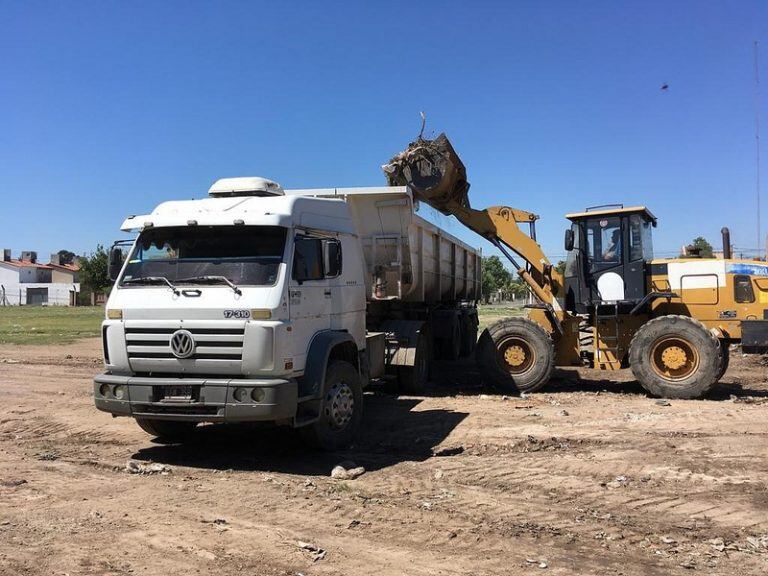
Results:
245 186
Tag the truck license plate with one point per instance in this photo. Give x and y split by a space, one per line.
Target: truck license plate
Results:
177 393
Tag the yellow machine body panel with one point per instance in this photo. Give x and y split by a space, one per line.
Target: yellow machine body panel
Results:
718 293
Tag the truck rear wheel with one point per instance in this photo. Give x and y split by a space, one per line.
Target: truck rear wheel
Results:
468 334
516 355
341 410
450 346
168 430
675 357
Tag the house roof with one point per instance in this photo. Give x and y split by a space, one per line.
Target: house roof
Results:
65 267
27 264
22 264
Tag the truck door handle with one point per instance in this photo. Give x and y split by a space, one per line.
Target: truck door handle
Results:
327 293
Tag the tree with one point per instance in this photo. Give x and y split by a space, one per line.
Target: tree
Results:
66 257
700 247
495 276
561 267
94 274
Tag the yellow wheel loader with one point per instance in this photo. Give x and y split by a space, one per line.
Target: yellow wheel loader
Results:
670 320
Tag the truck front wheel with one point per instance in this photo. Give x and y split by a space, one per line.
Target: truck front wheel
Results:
341 411
516 355
166 430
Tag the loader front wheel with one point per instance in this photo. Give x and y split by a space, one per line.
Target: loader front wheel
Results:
675 357
516 355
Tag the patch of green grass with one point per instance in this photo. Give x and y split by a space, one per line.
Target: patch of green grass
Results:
48 325
487 315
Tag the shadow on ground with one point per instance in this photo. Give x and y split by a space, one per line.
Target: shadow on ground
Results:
462 377
392 432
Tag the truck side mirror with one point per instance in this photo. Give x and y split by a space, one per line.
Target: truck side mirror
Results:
115 262
568 240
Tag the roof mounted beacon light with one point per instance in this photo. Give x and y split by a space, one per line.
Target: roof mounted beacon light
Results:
245 186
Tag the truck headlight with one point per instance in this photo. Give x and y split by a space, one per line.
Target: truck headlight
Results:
258 394
114 314
240 394
119 392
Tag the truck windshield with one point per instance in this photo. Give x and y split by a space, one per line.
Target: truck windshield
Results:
244 255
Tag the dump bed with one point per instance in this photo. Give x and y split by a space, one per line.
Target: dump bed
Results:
407 257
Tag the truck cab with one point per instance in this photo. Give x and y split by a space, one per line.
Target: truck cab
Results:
260 304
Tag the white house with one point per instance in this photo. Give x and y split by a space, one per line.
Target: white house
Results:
27 282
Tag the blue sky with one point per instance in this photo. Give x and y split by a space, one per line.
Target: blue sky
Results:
109 108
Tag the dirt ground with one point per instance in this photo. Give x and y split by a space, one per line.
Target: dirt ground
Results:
589 477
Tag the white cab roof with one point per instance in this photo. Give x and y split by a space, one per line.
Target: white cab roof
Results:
319 208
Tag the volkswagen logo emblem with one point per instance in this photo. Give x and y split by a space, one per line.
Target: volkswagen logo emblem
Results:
182 344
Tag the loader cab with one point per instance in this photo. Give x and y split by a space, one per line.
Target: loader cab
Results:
609 249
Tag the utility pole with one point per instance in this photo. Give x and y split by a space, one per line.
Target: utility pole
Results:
757 136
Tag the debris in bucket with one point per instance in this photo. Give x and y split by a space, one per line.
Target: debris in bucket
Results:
433 171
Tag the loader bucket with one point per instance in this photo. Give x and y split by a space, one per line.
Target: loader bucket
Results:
433 171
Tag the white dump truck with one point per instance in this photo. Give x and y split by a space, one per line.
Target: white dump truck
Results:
264 304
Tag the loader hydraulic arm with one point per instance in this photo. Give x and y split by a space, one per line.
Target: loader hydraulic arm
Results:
499 225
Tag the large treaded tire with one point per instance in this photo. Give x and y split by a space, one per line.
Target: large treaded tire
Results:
167 430
725 348
468 335
690 381
327 433
533 373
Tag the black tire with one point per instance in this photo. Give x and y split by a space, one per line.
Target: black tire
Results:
341 411
468 335
167 430
450 348
675 357
516 355
725 350
414 379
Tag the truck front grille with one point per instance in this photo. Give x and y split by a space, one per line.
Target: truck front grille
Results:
210 343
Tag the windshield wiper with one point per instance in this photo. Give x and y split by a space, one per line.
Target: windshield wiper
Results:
206 279
152 280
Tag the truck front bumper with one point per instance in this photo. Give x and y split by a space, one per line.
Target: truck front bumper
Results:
196 399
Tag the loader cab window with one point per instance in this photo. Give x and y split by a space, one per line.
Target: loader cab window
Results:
604 242
640 239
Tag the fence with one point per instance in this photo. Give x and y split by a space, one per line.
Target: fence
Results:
54 294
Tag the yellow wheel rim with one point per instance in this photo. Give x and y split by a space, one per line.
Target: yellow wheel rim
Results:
674 358
516 355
